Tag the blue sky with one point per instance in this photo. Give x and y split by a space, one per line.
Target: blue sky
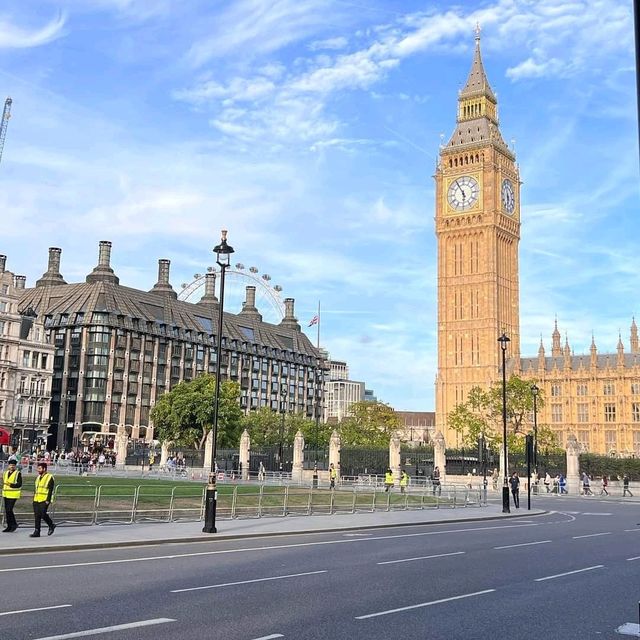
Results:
310 129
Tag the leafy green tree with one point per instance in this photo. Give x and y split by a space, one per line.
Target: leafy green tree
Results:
266 428
368 424
482 414
185 415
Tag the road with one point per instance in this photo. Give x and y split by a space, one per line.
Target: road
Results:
571 573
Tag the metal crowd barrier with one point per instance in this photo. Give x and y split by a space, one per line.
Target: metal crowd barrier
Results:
77 504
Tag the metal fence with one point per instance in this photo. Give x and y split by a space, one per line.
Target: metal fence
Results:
111 504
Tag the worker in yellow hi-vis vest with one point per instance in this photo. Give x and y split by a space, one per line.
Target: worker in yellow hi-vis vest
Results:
404 481
42 500
333 474
11 484
388 480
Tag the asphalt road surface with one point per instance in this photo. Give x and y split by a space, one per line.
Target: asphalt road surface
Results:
571 573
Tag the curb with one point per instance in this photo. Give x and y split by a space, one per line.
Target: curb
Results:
242 536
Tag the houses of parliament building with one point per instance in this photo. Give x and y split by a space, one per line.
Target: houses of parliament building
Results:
594 397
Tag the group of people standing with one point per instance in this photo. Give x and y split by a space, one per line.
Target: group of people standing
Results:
42 496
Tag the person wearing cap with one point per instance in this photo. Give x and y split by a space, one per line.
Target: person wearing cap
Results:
42 500
11 484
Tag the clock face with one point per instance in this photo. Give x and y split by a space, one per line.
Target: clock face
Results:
508 197
463 193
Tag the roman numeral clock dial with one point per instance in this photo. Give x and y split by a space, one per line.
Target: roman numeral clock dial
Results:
463 193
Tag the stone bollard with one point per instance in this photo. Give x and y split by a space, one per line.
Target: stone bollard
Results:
439 455
164 454
121 446
334 452
573 465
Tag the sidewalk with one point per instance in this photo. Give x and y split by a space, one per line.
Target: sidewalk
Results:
67 538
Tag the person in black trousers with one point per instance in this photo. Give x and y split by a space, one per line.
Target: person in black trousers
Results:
42 499
514 481
11 485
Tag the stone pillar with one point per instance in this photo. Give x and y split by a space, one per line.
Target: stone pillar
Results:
394 457
120 444
439 455
298 457
208 449
334 451
573 465
245 446
164 453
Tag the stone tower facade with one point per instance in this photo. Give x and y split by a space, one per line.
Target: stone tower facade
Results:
477 222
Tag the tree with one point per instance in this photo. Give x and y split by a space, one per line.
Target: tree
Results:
265 428
368 424
482 414
185 415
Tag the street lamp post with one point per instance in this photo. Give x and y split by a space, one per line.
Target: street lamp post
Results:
504 340
223 258
283 393
318 399
534 391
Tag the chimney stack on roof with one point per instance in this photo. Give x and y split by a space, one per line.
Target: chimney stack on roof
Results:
3 263
52 277
249 305
163 285
289 319
103 272
209 296
19 282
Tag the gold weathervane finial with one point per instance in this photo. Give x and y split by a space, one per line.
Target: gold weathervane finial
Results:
224 235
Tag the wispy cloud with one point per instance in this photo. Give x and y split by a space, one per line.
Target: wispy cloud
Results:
13 36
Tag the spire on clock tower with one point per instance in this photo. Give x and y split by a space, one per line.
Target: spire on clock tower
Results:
477 83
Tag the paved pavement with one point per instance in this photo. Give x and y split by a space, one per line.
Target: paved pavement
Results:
118 535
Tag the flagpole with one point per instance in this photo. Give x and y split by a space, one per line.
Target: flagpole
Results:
318 402
318 343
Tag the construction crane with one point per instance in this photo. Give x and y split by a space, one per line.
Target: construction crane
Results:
6 114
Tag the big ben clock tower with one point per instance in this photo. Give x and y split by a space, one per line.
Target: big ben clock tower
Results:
477 221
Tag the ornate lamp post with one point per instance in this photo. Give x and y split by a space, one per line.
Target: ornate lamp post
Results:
504 340
223 257
534 392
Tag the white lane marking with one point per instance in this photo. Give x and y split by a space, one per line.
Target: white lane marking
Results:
634 558
356 535
423 604
266 548
586 513
632 530
522 544
629 629
117 627
233 584
439 555
568 573
593 535
271 637
11 613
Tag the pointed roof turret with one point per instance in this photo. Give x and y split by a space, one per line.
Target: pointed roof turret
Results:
556 349
594 351
634 337
477 83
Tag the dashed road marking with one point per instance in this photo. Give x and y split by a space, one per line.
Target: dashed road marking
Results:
423 604
592 535
57 606
438 555
568 573
522 544
117 627
233 584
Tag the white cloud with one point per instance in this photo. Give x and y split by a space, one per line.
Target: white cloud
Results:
15 37
339 42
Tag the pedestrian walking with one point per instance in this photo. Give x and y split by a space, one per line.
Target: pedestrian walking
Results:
625 486
11 484
152 460
435 481
514 481
404 481
605 484
261 472
42 499
562 484
333 474
547 482
586 484
388 480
